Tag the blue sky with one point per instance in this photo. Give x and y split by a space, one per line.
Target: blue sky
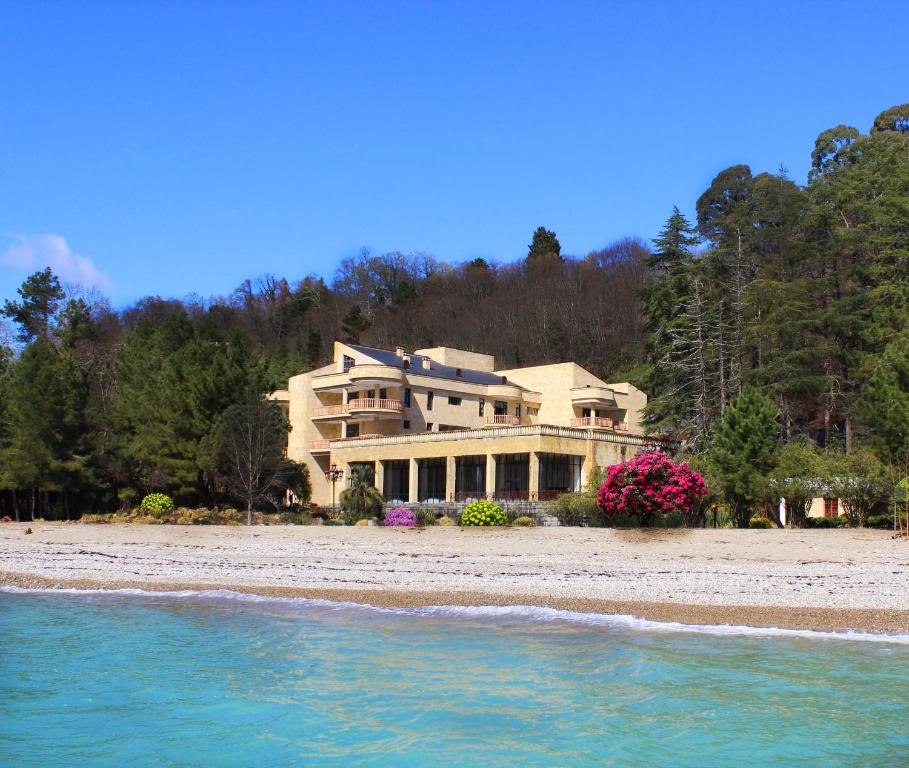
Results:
167 148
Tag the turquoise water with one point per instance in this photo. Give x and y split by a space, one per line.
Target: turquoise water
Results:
217 680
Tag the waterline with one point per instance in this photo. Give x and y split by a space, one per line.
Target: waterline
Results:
530 613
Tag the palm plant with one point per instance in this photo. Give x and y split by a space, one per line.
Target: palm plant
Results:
361 499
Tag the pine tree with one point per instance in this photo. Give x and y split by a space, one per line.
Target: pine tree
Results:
884 408
545 246
743 452
666 301
354 324
40 298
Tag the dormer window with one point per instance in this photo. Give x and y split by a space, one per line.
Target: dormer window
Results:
348 363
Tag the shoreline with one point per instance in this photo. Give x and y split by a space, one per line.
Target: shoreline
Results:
872 621
820 580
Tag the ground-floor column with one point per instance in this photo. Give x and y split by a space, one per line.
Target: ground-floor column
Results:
490 475
533 475
590 461
413 481
380 477
450 477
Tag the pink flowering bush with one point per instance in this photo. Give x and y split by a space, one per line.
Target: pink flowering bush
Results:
400 516
649 487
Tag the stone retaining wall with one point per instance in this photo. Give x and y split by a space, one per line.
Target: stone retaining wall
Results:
535 509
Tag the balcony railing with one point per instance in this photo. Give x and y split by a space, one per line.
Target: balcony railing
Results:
329 410
375 404
599 421
503 495
319 446
503 418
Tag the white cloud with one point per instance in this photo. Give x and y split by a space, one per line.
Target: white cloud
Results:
34 252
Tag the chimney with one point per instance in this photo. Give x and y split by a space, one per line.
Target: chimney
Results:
427 364
400 351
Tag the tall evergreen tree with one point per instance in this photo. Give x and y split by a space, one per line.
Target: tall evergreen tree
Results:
544 246
40 297
744 452
666 297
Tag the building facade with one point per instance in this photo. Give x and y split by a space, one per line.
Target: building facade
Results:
443 424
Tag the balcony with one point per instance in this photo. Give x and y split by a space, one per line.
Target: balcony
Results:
331 382
599 422
376 376
330 412
503 419
375 406
320 446
597 397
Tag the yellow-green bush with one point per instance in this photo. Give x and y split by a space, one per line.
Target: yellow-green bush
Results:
524 522
483 513
446 520
759 521
158 505
363 521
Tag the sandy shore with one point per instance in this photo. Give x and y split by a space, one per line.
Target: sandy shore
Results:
817 579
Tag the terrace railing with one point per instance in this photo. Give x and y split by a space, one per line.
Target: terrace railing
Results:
497 419
375 404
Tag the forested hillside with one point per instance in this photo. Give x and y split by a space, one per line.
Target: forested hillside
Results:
801 292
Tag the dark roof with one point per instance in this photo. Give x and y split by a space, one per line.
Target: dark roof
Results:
436 371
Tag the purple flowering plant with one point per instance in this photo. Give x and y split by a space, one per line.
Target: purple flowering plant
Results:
400 517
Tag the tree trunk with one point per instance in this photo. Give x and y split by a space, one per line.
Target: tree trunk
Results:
249 512
15 504
31 506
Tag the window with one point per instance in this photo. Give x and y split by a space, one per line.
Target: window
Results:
348 363
407 397
533 411
831 508
406 424
431 479
517 410
429 426
430 396
454 400
482 407
397 480
500 408
383 394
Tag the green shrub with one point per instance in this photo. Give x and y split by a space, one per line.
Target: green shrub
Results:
426 517
884 522
331 521
445 520
296 517
758 521
483 513
524 522
828 522
126 497
157 505
362 521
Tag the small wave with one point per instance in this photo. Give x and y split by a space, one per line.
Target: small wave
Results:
536 614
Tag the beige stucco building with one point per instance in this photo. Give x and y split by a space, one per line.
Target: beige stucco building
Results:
443 424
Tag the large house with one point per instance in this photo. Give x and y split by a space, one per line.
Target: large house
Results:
443 424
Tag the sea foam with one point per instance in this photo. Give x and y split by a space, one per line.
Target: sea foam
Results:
529 613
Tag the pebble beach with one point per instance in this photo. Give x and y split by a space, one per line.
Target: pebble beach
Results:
832 580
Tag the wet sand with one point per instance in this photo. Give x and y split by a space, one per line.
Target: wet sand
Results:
815 579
